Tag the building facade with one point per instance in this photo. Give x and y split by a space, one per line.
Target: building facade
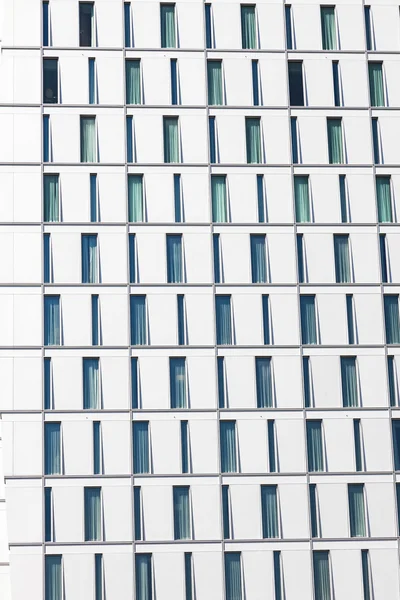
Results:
199 300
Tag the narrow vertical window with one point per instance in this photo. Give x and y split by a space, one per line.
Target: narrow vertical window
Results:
177 374
342 258
88 140
288 23
208 25
376 89
188 576
258 259
396 443
141 460
312 488
295 144
95 320
90 268
308 320
214 79
368 27
127 25
256 82
97 458
217 257
46 139
392 324
218 197
137 512
223 320
94 213
138 321
335 141
171 140
135 199
92 81
328 28
357 510
50 80
222 397
213 139
143 577
296 93
366 574
226 513
307 381
133 83
91 376
132 258
182 526
129 139
86 24
349 381
315 454
384 199
181 320
51 198
302 198
392 380
98 577
344 213
269 511
93 514
174 81
48 515
253 140
300 257
47 385
168 26
135 382
178 208
261 205
265 319
350 319
248 20
52 448
264 382
185 450
322 576
277 575
272 453
357 445
384 261
376 141
46 23
52 333
336 83
46 258
53 577
398 504
174 259
233 576
228 446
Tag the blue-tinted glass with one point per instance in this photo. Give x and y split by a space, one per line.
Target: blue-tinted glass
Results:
93 198
52 448
365 574
188 575
45 23
50 80
129 139
368 32
295 149
288 19
265 313
357 444
134 382
143 577
228 446
221 382
398 505
336 86
138 321
233 576
207 9
261 199
217 258
177 199
127 24
92 81
392 380
185 446
53 577
52 321
95 320
96 448
211 122
223 320
137 512
392 323
47 383
177 369
271 446
141 459
47 514
132 259
375 139
277 575
225 512
382 245
269 511
313 509
308 320
343 199
91 392
300 257
181 319
174 81
174 259
46 138
350 318
306 381
396 443
46 258
98 577
256 91
258 259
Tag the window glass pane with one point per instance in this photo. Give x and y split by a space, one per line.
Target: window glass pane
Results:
396 443
226 513
258 259
382 248
398 504
53 577
365 574
248 18
135 382
336 84
335 141
46 138
288 22
368 29
224 320
214 75
52 449
277 575
221 382
181 513
137 512
264 383
92 81
174 81
302 199
357 510
357 444
296 93
93 198
97 470
177 373
265 313
376 90
261 199
375 140
86 17
91 395
328 28
313 509
132 259
271 446
218 194
188 576
295 149
50 80
308 321
174 259
217 258
47 383
255 78
307 381
48 515
314 446
350 319
392 380
322 579
253 140
46 23
178 199
384 199
135 199
92 514
46 258
138 321
51 198
52 320
127 24
141 463
212 137
95 320
129 139
343 199
143 577
88 140
349 381
181 320
342 258
269 511
133 84
98 577
207 8
185 446
168 34
391 306
300 257
228 446
233 576
90 267
171 140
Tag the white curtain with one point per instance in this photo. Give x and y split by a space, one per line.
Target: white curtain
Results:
92 514
181 513
177 370
88 140
269 509
135 199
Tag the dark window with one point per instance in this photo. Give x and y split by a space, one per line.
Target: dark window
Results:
50 80
296 83
86 13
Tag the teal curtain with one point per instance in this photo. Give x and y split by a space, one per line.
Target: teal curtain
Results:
51 198
138 321
181 513
322 579
365 572
53 577
133 87
141 460
88 140
233 576
313 509
391 367
98 577
253 140
226 521
258 259
308 320
248 20
90 268
224 320
171 140
357 510
228 446
269 511
48 514
376 90
92 514
97 458
328 28
214 75
143 577
384 199
137 512
174 259
349 381
218 197
335 141
342 258
392 325
91 381
168 28
185 448
52 448
314 446
52 332
264 382
135 199
302 198
177 375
